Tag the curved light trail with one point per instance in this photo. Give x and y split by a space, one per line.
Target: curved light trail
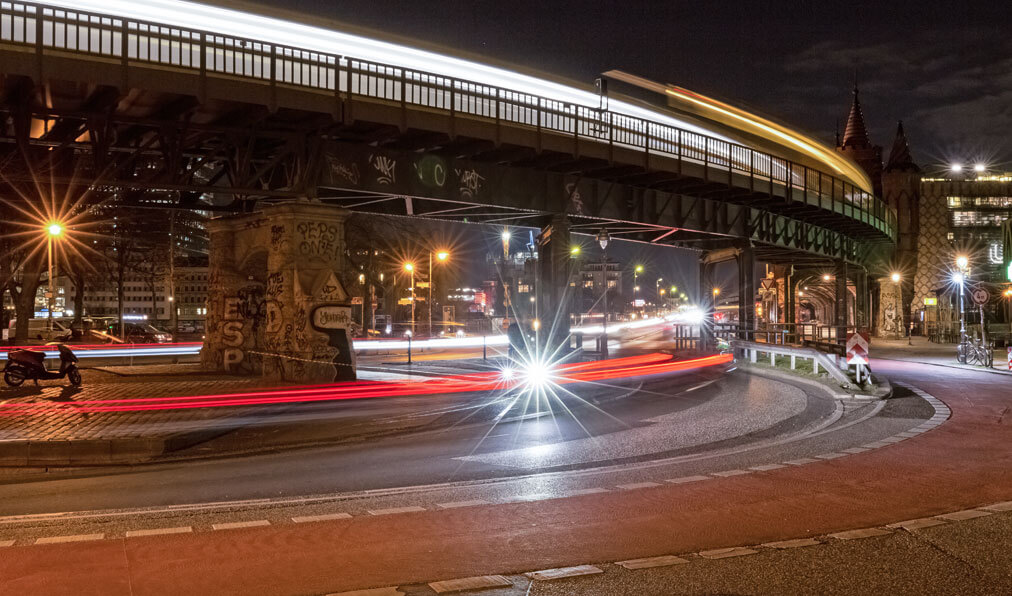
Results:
204 17
583 372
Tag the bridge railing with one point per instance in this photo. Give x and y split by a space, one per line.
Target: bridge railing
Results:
218 54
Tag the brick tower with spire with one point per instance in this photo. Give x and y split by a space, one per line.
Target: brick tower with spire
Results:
901 190
856 145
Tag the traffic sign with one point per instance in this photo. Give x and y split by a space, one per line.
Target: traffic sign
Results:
857 348
980 296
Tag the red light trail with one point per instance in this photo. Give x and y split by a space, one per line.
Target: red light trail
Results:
618 368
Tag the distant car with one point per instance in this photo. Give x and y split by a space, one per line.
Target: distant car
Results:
139 333
38 329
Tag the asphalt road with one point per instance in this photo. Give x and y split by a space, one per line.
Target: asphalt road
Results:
663 480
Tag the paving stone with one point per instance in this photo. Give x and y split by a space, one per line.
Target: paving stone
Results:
662 561
480 582
563 572
862 533
724 553
965 514
916 524
796 543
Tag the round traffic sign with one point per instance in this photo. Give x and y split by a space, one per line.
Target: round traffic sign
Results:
980 296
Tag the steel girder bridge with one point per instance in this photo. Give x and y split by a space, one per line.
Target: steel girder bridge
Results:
154 113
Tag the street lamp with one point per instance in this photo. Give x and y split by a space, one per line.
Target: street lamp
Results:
962 263
636 288
410 268
575 251
896 277
441 256
603 238
53 231
505 243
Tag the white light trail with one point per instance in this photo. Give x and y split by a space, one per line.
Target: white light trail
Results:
203 17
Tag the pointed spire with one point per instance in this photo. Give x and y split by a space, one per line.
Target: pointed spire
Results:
899 156
855 134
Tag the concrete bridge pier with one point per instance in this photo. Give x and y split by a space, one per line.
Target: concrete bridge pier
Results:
554 297
746 293
276 306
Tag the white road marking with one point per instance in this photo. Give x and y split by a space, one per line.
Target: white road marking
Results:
893 439
74 538
687 479
1004 506
831 455
587 491
801 461
862 533
159 531
916 524
662 561
392 510
796 543
242 524
724 553
480 582
727 473
6 543
965 514
854 450
767 467
391 591
456 504
561 572
318 518
635 485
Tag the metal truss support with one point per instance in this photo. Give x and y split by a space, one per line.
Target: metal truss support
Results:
840 302
746 292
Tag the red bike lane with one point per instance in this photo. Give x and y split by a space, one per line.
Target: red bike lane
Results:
962 464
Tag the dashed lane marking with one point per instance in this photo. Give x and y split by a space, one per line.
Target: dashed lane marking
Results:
862 533
649 562
392 510
796 543
391 591
588 491
6 543
801 461
687 479
458 504
917 524
767 467
965 514
855 450
727 473
561 572
74 538
636 485
725 553
831 455
302 519
159 531
1005 506
480 582
243 524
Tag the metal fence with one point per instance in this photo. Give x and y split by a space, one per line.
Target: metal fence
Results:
218 54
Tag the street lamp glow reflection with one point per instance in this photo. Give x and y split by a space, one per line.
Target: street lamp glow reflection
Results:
54 229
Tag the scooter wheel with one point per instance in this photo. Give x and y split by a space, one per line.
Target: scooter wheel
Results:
14 378
74 376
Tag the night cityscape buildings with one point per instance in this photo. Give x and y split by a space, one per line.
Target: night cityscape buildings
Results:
291 306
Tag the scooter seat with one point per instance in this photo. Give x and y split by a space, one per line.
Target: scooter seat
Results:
30 357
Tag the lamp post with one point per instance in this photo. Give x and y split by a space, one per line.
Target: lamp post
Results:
963 264
657 293
603 238
410 268
636 287
53 230
441 256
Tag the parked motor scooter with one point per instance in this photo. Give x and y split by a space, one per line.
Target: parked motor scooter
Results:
30 364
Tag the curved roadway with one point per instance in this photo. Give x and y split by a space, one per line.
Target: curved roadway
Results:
727 493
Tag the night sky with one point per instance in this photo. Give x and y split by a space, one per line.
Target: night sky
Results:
944 68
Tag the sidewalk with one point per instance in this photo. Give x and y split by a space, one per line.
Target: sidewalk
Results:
923 351
52 428
130 414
